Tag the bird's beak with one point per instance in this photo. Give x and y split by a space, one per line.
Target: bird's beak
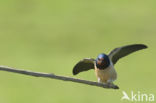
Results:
100 61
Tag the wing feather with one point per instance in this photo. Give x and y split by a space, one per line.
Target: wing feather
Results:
120 52
83 65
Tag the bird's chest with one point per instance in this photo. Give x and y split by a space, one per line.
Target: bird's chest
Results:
107 74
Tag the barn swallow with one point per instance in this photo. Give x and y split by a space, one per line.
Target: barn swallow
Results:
104 64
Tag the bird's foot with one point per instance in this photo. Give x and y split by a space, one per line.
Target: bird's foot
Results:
112 85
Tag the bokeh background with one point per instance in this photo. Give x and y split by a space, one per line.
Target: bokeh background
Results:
53 35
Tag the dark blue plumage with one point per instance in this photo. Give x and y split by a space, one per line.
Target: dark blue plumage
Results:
102 61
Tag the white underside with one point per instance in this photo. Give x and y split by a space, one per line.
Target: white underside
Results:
107 75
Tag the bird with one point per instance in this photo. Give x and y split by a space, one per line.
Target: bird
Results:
104 64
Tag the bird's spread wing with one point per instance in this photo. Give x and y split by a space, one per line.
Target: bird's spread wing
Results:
83 65
120 52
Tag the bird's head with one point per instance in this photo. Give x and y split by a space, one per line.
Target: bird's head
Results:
102 61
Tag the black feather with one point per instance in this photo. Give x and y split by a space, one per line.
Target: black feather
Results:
120 52
83 65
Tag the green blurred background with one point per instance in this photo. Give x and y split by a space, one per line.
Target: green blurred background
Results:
53 35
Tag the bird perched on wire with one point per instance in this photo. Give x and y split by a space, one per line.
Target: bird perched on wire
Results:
104 64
